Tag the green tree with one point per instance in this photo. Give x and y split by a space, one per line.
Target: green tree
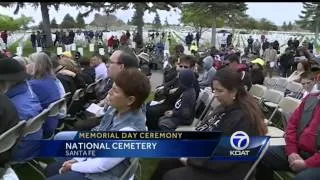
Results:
10 24
140 8
54 24
166 23
216 13
68 22
80 21
44 7
157 21
284 26
265 24
290 26
310 18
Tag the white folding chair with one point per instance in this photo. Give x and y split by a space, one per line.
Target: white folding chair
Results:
254 165
55 107
10 137
281 84
131 170
270 82
77 96
272 97
295 88
286 106
35 124
257 91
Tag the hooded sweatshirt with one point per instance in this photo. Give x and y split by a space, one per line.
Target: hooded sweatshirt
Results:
209 72
184 106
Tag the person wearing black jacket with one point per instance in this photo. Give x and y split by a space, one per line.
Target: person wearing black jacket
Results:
296 43
170 71
286 61
257 76
33 40
250 44
276 46
156 111
265 45
183 111
8 118
238 111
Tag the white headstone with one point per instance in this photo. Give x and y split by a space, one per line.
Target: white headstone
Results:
39 49
59 50
91 47
73 47
101 51
19 51
80 49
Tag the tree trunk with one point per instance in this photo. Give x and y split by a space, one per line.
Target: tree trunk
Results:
46 23
316 34
213 34
140 23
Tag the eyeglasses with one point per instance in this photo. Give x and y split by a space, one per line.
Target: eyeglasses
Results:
110 62
306 83
186 67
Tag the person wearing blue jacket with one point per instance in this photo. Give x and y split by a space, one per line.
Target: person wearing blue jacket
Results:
183 112
44 85
13 84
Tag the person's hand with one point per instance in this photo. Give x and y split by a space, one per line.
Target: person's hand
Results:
66 166
298 165
168 113
294 156
184 161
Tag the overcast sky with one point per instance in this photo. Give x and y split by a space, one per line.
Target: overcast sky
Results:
276 12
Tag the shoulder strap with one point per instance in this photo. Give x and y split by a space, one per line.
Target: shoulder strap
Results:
309 106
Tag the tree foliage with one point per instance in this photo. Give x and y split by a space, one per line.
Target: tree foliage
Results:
11 24
166 23
53 24
80 21
212 14
310 17
68 22
157 21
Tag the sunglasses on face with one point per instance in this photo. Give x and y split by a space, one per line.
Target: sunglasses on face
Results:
186 67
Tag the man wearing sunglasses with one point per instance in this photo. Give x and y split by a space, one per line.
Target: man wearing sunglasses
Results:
156 111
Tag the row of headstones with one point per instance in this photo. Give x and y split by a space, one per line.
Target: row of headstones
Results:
72 47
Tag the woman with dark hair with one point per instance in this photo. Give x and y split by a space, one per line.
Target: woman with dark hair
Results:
238 111
129 91
257 76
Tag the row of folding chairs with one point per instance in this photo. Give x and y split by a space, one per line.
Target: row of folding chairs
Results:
282 84
12 136
275 100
